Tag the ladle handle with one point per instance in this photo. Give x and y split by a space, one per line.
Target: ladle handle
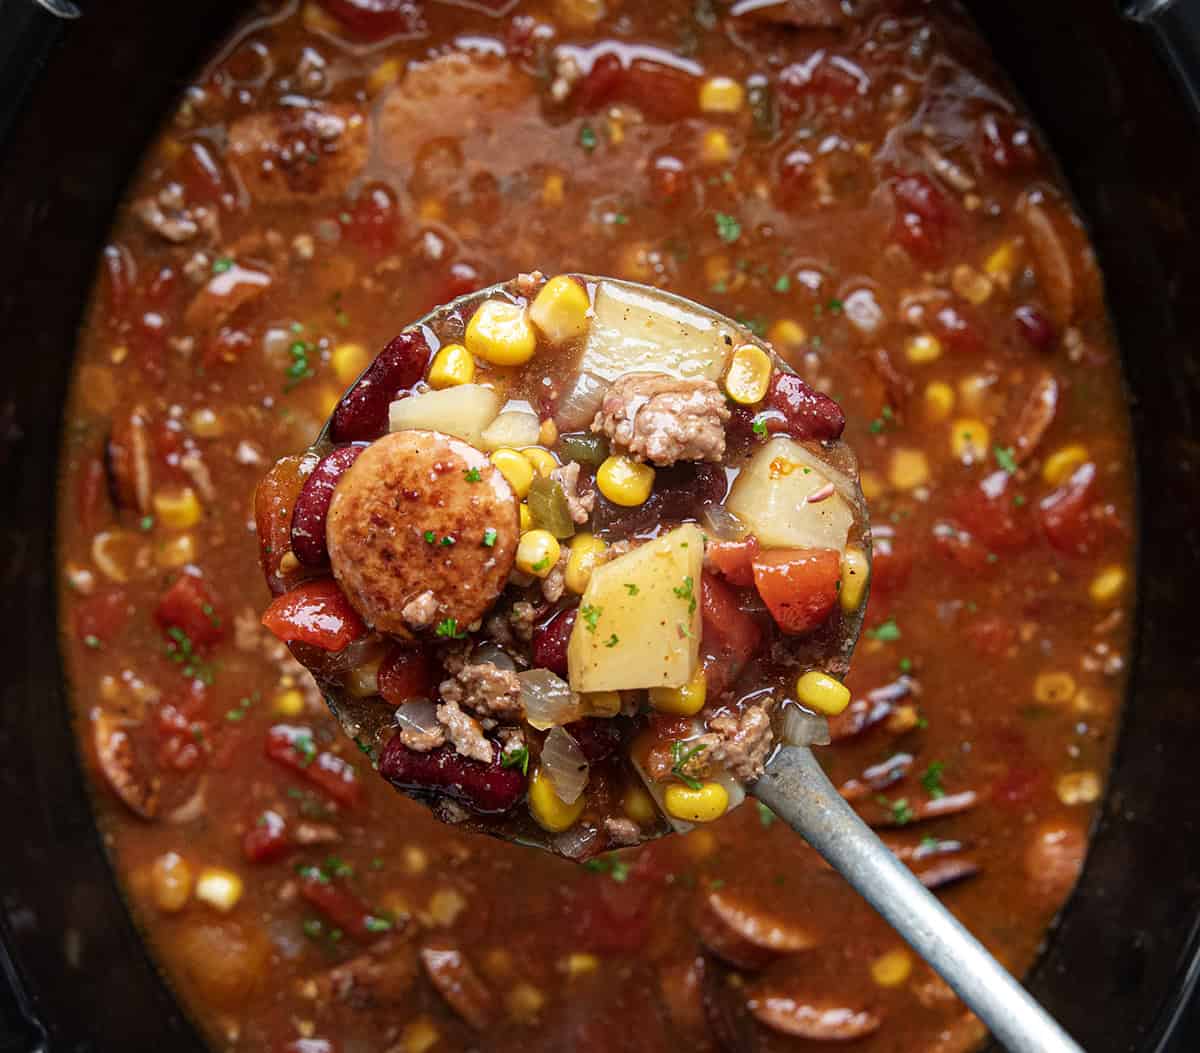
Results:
798 791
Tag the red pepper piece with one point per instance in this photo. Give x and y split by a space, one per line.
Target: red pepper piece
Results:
316 613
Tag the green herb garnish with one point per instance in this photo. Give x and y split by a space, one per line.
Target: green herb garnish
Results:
591 615
489 537
932 780
885 632
631 588
680 755
518 758
1004 458
448 628
612 641
473 475
587 137
615 868
687 591
728 228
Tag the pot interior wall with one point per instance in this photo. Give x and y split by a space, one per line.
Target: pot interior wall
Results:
1120 957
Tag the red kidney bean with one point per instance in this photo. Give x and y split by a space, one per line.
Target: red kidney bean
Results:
487 788
957 327
807 413
1065 514
598 739
550 642
668 178
1006 144
375 19
312 506
374 220
922 217
680 493
1034 325
987 510
363 412
405 673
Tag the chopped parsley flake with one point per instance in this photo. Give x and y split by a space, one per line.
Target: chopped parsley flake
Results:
374 924
489 537
473 475
759 427
222 264
618 218
728 228
300 369
1004 458
765 815
782 283
239 711
591 615
336 867
92 641
680 755
687 591
447 541
1019 500
932 780
518 758
587 137
304 745
905 665
615 868
541 564
312 928
448 628
834 307
631 588
429 536
902 813
181 652
887 416
885 632
612 641
146 523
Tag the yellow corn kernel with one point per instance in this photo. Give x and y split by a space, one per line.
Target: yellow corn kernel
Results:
625 482
639 805
420 1036
171 882
288 564
787 334
821 692
856 571
616 130
452 365
498 963
501 333
176 551
416 859
204 423
721 95
682 701
1078 787
901 719
549 810
974 390
445 906
749 375
1107 585
908 469
892 969
638 261
543 461
939 400
363 680
431 210
348 361
601 703
177 509
289 703
537 552
970 284
317 21
219 888
715 148
526 517
579 964
923 349
383 76
969 440
700 844
328 398
1062 462
872 485
586 550
548 432
560 310
703 805
719 270
515 467
524 1002
1053 689
1001 264
552 189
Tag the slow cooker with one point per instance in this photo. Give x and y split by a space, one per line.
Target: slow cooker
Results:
1117 92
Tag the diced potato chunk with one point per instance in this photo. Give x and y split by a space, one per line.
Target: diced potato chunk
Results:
639 619
512 428
635 332
771 496
464 412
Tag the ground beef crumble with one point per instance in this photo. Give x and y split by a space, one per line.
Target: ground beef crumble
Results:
657 418
486 690
736 744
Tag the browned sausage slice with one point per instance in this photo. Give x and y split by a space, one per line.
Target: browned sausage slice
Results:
746 935
115 756
457 982
814 1019
292 154
422 529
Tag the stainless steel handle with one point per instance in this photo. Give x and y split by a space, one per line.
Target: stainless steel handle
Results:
798 791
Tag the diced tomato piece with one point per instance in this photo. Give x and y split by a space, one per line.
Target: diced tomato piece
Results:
734 560
956 325
376 19
798 585
373 221
922 217
891 560
293 746
727 628
960 546
1066 514
101 617
990 514
201 174
190 606
612 917
316 613
659 91
405 673
267 840
341 905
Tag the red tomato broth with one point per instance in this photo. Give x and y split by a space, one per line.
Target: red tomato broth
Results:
974 634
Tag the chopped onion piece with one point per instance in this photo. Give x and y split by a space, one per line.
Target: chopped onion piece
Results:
419 715
564 764
802 728
577 408
717 521
548 699
494 653
576 843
